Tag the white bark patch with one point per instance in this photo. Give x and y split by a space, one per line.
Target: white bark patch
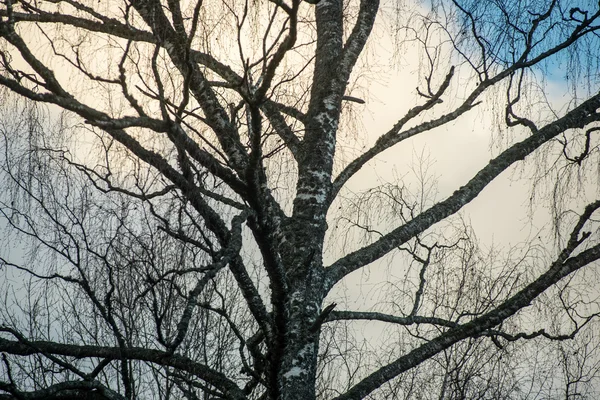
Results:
330 103
294 371
314 191
318 197
323 119
306 349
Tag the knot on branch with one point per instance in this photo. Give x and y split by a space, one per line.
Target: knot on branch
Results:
322 317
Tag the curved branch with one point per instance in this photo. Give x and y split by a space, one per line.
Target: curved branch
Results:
393 136
162 358
576 118
68 390
108 25
562 267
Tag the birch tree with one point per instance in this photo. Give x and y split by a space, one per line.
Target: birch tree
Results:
175 170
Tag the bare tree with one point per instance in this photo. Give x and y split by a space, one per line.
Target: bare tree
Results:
176 183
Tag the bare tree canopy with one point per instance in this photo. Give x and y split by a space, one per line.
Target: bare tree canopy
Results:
185 200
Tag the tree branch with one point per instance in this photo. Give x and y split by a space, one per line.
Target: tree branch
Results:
576 118
166 359
562 267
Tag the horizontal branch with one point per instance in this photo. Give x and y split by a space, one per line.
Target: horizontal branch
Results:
414 320
562 267
377 316
162 358
67 390
109 26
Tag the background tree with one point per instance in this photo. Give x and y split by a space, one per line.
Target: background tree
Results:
177 179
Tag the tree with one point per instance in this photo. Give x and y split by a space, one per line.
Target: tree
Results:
174 172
